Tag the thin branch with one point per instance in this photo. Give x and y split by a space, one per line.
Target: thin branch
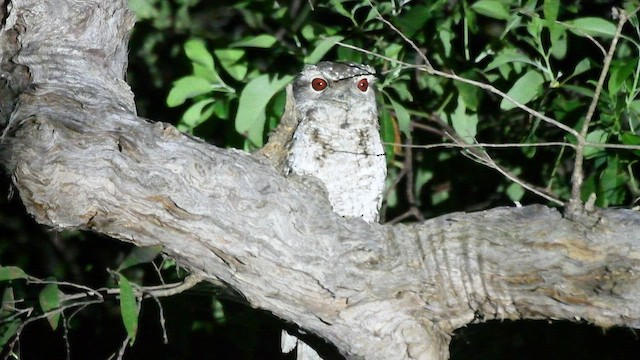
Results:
481 145
163 322
164 290
484 158
45 315
479 84
65 336
517 145
123 348
415 47
578 175
577 178
503 95
172 289
409 187
427 128
488 161
151 291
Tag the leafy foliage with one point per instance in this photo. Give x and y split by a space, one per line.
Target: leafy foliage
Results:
526 49
128 308
218 70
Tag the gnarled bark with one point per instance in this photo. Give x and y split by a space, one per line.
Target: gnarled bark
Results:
80 158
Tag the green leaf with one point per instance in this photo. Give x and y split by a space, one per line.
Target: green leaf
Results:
464 124
392 51
339 8
422 177
583 65
230 62
439 196
388 134
308 32
322 48
128 308
140 255
592 26
596 137
612 181
551 8
391 198
509 56
195 116
404 119
534 27
559 43
8 302
11 273
197 52
7 330
524 90
414 19
221 109
218 311
402 89
581 90
253 101
203 64
620 72
446 37
469 94
143 9
50 300
515 192
629 138
260 41
492 8
186 88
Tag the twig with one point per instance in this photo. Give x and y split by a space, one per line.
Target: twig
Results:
577 178
163 322
173 289
9 347
479 84
153 291
411 199
65 336
488 161
164 290
123 348
517 145
481 145
401 34
427 128
484 158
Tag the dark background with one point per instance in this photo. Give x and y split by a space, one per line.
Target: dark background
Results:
195 330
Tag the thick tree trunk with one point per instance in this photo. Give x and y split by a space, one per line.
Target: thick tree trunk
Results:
80 158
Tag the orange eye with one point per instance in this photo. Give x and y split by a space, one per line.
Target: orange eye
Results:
318 84
363 85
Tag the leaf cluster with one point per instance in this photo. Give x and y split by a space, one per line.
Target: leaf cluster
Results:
543 55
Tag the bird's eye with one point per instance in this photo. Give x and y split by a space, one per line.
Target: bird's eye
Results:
318 84
363 85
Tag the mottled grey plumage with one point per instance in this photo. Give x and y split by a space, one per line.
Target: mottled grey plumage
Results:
337 139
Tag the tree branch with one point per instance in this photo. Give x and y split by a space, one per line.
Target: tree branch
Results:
80 158
574 208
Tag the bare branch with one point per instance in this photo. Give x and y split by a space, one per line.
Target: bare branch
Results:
575 203
479 155
483 145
